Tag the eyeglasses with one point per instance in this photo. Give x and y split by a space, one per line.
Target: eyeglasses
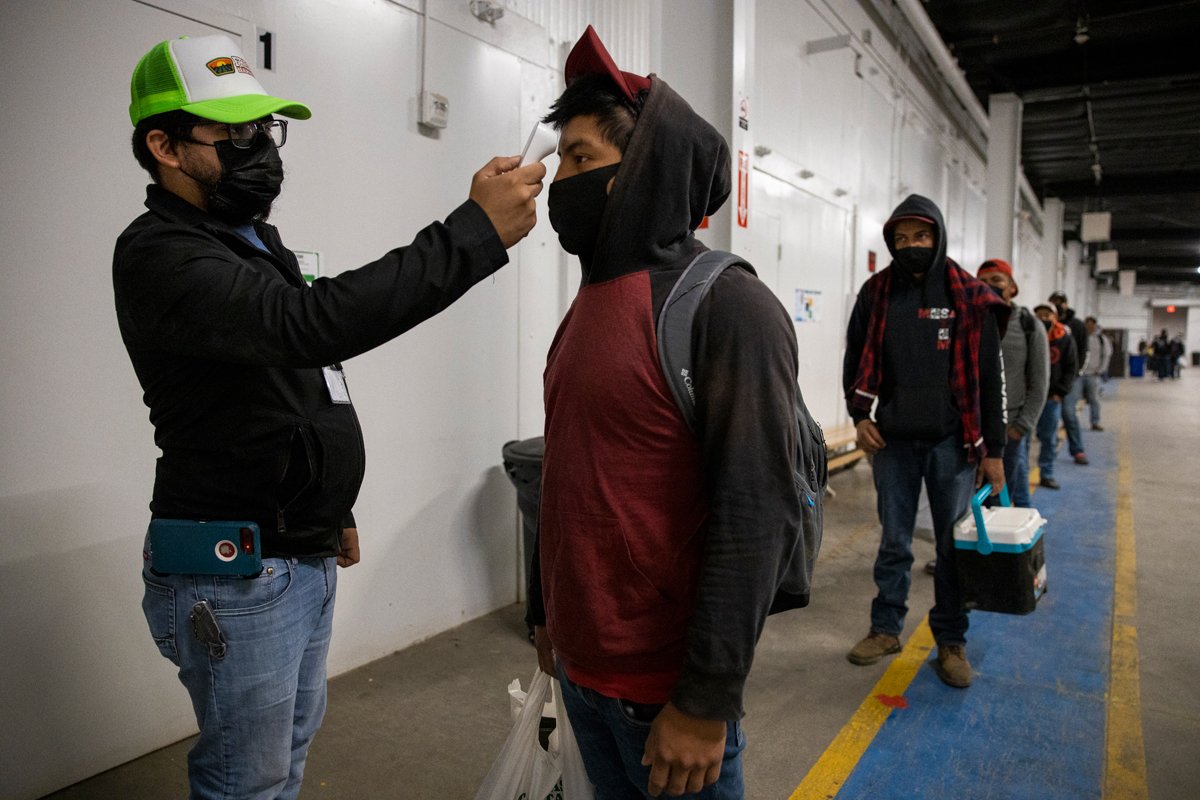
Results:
243 134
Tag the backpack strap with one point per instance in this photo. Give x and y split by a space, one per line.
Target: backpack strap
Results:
1027 321
674 327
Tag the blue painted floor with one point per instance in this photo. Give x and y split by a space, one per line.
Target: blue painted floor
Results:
1032 724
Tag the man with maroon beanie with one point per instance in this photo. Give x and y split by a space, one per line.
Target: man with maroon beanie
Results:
660 550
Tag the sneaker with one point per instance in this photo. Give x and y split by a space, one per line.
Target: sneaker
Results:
952 666
874 647
931 566
1081 459
1049 483
1098 427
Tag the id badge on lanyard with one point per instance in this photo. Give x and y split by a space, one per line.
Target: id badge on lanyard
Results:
335 381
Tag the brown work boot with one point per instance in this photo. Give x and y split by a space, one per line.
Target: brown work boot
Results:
874 647
952 665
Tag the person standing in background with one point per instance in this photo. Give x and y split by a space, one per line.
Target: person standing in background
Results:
1160 351
924 341
1094 367
1063 369
1026 377
1070 402
1176 355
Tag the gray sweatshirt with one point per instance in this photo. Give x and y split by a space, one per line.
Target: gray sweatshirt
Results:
1098 354
1026 369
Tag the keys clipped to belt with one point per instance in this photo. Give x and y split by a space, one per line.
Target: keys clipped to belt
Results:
206 629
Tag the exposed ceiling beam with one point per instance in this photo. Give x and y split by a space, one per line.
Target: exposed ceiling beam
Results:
1161 262
1112 185
1113 89
1159 276
1157 234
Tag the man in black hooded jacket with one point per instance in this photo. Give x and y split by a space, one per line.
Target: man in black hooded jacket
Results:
659 551
924 342
239 360
1070 416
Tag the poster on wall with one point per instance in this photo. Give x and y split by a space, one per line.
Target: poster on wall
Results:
808 306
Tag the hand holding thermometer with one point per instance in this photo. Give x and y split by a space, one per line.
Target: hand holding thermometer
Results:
542 141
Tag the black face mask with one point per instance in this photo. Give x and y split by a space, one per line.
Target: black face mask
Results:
999 292
1049 323
576 208
250 181
914 260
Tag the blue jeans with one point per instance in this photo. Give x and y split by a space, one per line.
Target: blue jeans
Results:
1091 393
1047 433
612 738
949 480
1070 417
260 705
1016 470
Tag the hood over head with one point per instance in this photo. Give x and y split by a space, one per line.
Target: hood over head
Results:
917 207
674 171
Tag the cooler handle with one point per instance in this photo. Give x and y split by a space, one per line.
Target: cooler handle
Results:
983 545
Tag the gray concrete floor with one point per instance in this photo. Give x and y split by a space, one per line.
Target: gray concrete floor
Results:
427 722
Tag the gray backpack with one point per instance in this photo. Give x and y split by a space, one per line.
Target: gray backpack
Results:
812 474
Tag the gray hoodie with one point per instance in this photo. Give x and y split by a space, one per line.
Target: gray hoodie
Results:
1026 368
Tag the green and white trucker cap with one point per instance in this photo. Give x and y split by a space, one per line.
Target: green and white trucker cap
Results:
205 76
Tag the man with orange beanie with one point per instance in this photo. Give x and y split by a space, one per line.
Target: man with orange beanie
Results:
1026 377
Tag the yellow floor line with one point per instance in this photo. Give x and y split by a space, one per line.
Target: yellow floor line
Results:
826 777
834 766
1125 750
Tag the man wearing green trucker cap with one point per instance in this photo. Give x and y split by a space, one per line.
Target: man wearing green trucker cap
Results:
239 361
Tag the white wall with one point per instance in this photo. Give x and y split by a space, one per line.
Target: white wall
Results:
84 687
848 133
838 138
1192 339
1132 314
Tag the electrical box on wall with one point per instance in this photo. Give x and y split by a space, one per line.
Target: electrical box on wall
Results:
435 109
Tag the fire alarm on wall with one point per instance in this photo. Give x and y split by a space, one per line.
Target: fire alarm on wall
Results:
435 109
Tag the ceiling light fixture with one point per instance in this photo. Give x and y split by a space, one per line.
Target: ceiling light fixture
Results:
1081 31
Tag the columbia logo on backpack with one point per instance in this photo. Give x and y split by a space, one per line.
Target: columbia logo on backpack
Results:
811 475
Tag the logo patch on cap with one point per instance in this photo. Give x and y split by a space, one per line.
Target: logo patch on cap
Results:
227 65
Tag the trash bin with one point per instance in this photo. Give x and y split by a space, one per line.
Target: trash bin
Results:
1137 366
523 463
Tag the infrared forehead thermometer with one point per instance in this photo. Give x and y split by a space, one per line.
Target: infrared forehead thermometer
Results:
542 141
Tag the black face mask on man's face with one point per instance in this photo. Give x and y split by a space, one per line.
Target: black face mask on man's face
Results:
914 260
576 208
1049 323
251 179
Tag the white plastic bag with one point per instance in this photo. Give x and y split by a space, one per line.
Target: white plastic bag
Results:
575 783
525 771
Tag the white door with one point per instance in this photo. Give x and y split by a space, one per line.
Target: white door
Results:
810 273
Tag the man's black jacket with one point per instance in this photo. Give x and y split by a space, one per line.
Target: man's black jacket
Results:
229 343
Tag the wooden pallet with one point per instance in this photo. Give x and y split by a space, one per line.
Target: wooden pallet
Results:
841 444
